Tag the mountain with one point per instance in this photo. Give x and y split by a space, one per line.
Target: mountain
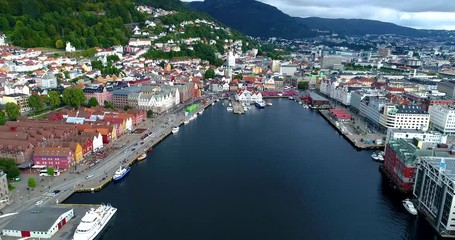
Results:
84 23
252 18
262 20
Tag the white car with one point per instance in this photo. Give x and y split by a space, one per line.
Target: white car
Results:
39 203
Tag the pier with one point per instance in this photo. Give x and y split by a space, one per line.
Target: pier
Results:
360 139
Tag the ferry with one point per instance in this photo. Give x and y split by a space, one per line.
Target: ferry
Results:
259 104
175 129
409 206
142 157
121 173
93 222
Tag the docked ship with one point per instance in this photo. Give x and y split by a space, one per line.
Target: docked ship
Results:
175 129
259 104
142 157
93 222
121 173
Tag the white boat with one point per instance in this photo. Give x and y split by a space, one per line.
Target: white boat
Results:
409 206
245 108
93 222
300 103
202 111
121 173
192 117
213 103
291 98
375 157
380 158
269 104
142 157
230 109
259 104
186 121
175 129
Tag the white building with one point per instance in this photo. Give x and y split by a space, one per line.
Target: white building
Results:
40 222
434 190
371 109
248 97
4 191
97 142
359 95
443 118
47 81
425 136
69 48
288 69
405 117
230 59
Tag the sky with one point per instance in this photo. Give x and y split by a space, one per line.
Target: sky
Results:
421 14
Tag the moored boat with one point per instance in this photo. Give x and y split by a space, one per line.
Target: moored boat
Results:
229 109
375 156
259 104
150 149
175 129
121 173
186 121
93 222
269 104
409 206
142 157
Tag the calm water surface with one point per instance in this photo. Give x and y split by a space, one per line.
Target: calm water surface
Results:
277 173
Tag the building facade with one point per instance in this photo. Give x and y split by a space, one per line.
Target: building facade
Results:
405 117
434 191
443 118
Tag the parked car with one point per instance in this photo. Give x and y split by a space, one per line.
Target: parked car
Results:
39 203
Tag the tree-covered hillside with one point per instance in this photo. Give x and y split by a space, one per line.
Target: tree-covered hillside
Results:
84 23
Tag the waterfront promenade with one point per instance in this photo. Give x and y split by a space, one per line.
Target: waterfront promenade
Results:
122 152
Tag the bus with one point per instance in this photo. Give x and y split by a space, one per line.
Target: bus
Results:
43 173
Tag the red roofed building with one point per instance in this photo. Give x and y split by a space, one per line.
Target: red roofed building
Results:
340 115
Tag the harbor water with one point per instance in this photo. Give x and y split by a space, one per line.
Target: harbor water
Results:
276 173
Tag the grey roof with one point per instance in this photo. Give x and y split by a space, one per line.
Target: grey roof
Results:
448 83
450 164
317 97
37 219
410 109
126 91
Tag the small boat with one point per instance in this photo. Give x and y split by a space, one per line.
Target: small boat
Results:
245 108
229 109
150 149
175 129
142 157
186 121
192 117
259 104
291 98
409 206
375 157
202 111
93 222
121 173
269 104
380 158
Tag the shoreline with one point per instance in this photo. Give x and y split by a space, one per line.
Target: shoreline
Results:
154 142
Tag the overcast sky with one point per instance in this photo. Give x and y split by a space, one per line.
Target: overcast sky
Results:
422 14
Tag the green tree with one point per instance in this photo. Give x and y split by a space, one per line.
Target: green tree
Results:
2 118
35 102
50 171
127 107
302 85
12 111
108 105
59 44
31 183
74 97
209 73
9 167
54 99
92 102
239 76
149 113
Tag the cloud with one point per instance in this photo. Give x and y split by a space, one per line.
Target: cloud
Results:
435 14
